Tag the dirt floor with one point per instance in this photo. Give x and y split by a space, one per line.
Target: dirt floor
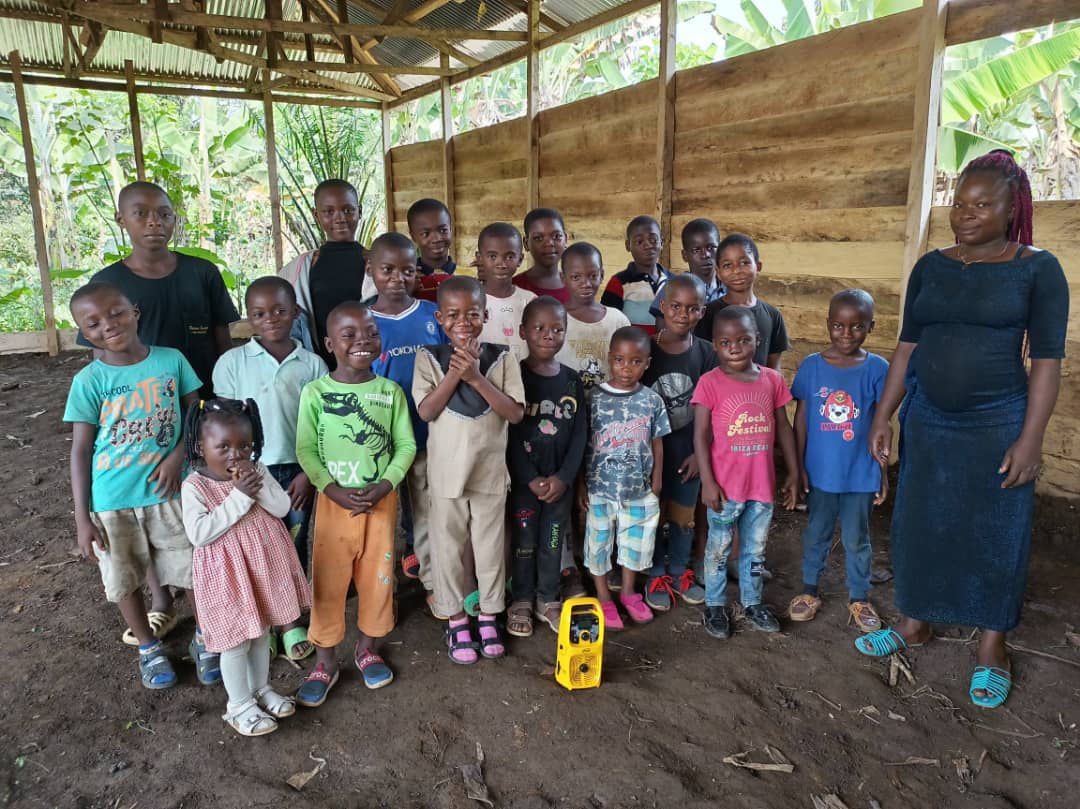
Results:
674 707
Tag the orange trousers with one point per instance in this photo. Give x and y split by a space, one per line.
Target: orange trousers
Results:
358 549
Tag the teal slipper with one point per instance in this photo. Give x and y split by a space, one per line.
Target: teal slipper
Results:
472 603
882 643
995 682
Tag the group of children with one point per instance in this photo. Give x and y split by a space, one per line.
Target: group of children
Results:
510 423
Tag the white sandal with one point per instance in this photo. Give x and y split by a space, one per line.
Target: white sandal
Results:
275 704
248 719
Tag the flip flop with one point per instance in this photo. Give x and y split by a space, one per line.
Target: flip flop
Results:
882 643
161 624
995 682
291 639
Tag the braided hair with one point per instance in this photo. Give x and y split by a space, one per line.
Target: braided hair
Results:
1002 163
235 410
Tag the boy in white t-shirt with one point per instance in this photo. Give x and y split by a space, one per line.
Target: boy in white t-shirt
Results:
499 254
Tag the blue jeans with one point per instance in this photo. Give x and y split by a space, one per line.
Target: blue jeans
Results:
753 519
295 521
853 510
674 546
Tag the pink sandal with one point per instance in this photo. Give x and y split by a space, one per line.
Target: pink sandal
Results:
612 619
462 647
636 608
491 645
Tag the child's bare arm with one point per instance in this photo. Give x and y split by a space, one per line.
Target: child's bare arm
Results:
800 444
711 494
785 438
166 474
82 451
657 465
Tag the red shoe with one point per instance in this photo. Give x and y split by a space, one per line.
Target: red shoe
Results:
410 566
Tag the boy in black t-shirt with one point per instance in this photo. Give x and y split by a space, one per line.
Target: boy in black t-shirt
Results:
182 300
182 303
738 265
544 454
679 359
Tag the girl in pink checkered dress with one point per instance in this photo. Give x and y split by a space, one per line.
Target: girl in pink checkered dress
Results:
245 571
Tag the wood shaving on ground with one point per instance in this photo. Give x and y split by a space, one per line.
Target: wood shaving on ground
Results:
828 802
914 761
779 762
298 780
473 776
964 772
870 712
898 665
1072 638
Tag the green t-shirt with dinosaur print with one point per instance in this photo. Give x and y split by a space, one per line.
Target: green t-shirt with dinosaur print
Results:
354 435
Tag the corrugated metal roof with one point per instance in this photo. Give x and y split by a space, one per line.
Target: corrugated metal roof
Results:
40 43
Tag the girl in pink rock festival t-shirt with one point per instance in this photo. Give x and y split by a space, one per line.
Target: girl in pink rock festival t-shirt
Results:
738 417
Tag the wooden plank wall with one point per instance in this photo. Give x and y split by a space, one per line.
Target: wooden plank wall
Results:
1055 230
598 166
490 181
806 148
417 172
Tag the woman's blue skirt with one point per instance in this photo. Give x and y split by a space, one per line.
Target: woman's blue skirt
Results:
960 543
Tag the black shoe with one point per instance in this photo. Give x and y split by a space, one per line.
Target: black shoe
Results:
761 618
716 622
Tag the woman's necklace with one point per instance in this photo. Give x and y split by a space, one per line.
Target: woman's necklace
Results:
968 261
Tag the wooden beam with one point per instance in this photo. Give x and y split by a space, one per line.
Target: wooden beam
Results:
969 20
274 50
665 125
350 44
272 181
513 55
309 40
197 92
924 138
549 21
382 67
91 39
346 41
136 123
532 104
424 9
52 341
447 109
388 167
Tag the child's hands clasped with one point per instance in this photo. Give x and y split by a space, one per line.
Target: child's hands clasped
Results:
247 479
466 361
358 501
548 489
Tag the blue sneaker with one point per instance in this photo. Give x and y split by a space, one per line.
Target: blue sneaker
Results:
373 669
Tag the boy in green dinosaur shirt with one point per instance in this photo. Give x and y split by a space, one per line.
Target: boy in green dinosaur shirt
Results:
355 441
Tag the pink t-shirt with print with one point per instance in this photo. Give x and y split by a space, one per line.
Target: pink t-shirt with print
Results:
744 431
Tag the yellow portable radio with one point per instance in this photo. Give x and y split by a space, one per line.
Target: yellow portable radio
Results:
581 644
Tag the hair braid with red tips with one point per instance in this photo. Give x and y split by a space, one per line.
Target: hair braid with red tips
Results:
1001 162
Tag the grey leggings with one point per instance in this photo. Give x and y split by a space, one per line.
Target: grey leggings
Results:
245 669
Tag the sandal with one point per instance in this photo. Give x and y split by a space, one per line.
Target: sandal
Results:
207 664
161 624
995 682
519 620
291 638
864 615
316 686
804 607
275 645
248 719
275 704
410 566
491 645
462 648
372 668
882 643
155 669
550 613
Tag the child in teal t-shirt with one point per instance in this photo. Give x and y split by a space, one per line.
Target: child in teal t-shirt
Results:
126 462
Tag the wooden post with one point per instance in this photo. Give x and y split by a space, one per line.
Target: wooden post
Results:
532 103
446 106
52 339
136 124
924 139
665 124
388 168
272 181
